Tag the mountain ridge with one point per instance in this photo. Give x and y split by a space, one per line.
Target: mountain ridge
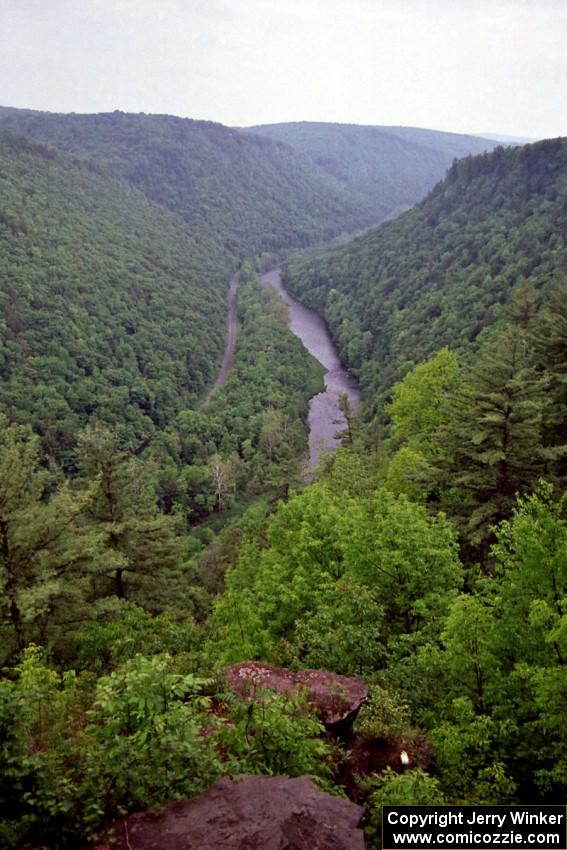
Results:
249 192
391 167
440 273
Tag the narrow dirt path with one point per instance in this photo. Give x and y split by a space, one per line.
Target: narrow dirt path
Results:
228 358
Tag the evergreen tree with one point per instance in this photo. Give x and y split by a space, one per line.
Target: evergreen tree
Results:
141 550
550 338
492 442
346 434
46 554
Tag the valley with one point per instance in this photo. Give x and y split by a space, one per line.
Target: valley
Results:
325 418
189 311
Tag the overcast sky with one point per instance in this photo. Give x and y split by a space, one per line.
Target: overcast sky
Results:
497 66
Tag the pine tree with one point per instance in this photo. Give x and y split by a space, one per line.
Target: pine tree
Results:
491 443
346 434
550 340
141 550
47 555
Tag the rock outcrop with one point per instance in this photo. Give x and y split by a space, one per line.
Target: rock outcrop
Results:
336 699
247 813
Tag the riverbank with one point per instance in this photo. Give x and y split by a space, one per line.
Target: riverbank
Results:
325 418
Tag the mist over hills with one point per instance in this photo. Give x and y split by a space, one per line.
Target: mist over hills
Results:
391 167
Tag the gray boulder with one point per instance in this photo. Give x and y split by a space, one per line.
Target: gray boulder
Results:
336 699
247 813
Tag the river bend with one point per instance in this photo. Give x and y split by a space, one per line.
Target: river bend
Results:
324 411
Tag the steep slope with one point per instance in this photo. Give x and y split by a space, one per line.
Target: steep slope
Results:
109 305
391 167
246 192
437 275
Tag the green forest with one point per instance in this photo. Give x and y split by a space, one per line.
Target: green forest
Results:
150 538
387 168
245 193
442 273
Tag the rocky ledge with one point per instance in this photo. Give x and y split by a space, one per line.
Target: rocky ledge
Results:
336 699
247 813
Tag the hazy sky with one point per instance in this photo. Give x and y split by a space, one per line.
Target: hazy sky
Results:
466 65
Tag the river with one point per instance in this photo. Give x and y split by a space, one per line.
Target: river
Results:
310 328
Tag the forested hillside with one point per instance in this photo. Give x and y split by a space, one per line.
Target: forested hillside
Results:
440 274
148 541
390 167
247 193
111 307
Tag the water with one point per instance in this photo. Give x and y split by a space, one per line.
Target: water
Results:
324 411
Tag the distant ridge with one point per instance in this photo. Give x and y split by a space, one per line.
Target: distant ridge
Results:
392 168
440 274
245 193
509 140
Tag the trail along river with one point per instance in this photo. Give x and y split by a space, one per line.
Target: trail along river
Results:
324 411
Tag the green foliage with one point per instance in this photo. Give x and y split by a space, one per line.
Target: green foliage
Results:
66 763
420 406
387 167
123 630
345 632
531 638
491 442
407 474
250 437
138 539
531 552
275 734
414 788
41 771
75 751
468 643
408 558
469 750
437 275
493 691
104 302
241 193
549 336
404 562
384 715
261 408
145 735
420 401
270 589
47 554
108 323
